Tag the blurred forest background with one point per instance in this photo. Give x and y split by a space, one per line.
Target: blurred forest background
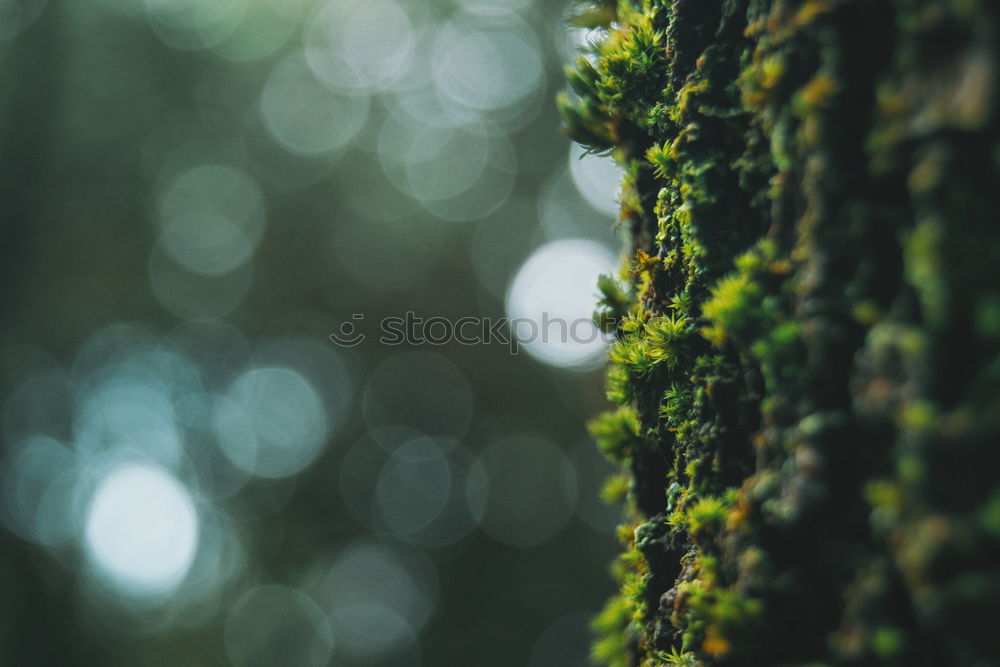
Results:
196 194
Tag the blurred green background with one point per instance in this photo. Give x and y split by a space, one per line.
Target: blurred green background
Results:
196 194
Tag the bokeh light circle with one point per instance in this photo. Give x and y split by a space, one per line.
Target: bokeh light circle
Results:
192 295
413 487
276 625
565 643
208 244
38 475
271 422
194 24
523 490
305 117
486 67
141 529
551 302
263 29
131 413
218 190
378 596
359 46
419 488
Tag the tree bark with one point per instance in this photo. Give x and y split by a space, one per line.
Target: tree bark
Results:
808 357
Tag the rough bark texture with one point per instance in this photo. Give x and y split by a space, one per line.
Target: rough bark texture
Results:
808 355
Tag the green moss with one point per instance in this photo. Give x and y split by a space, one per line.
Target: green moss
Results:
706 516
923 266
615 489
918 416
732 306
677 658
651 343
613 304
808 329
611 627
616 432
888 642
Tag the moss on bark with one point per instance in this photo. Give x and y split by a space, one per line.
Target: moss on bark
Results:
808 355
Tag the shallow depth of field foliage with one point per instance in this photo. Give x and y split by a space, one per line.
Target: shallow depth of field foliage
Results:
808 358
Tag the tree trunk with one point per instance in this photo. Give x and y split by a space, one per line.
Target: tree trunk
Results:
808 354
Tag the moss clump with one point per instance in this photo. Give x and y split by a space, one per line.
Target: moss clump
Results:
808 337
